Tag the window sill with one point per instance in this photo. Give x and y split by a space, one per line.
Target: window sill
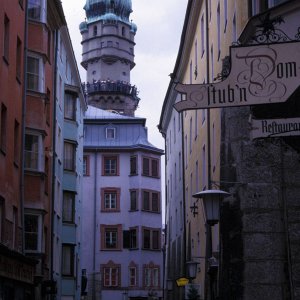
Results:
110 210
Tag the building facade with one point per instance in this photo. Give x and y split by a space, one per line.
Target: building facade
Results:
42 108
122 182
218 149
70 107
14 284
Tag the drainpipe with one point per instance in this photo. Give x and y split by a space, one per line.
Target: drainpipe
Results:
53 153
23 127
208 227
95 223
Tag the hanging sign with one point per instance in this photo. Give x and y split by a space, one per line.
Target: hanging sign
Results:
259 74
275 127
182 281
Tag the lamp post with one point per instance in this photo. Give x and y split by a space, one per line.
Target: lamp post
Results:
211 202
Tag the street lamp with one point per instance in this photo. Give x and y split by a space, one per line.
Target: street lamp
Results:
211 201
191 269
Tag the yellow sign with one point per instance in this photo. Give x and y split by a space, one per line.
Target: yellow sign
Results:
182 281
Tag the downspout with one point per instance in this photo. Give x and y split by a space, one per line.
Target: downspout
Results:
53 151
95 235
208 227
22 192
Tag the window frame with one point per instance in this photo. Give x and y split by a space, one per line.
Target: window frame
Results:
110 172
149 170
69 163
110 133
108 269
151 276
71 260
150 199
42 14
151 242
38 87
71 219
70 106
110 191
38 232
40 152
107 229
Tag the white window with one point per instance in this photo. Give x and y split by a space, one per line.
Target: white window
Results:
111 276
33 232
110 200
35 73
151 277
37 10
110 133
34 152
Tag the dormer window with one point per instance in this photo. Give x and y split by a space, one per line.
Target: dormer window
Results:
111 133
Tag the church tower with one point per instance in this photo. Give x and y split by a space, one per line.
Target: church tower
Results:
108 55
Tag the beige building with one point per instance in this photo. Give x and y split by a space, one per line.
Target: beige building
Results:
208 162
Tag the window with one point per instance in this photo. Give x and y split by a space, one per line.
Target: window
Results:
67 260
132 276
86 165
33 232
110 166
37 10
133 200
110 133
16 142
68 214
130 238
151 275
69 156
95 29
70 106
35 73
18 59
15 227
150 167
151 239
111 274
111 237
34 152
110 199
133 165
3 128
6 38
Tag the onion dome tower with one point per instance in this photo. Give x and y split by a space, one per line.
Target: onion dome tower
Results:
108 55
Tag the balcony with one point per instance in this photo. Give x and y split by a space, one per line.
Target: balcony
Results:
110 87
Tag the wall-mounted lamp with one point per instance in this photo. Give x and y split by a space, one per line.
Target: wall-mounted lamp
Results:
191 268
211 201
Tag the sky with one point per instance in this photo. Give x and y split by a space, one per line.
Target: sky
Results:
159 24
